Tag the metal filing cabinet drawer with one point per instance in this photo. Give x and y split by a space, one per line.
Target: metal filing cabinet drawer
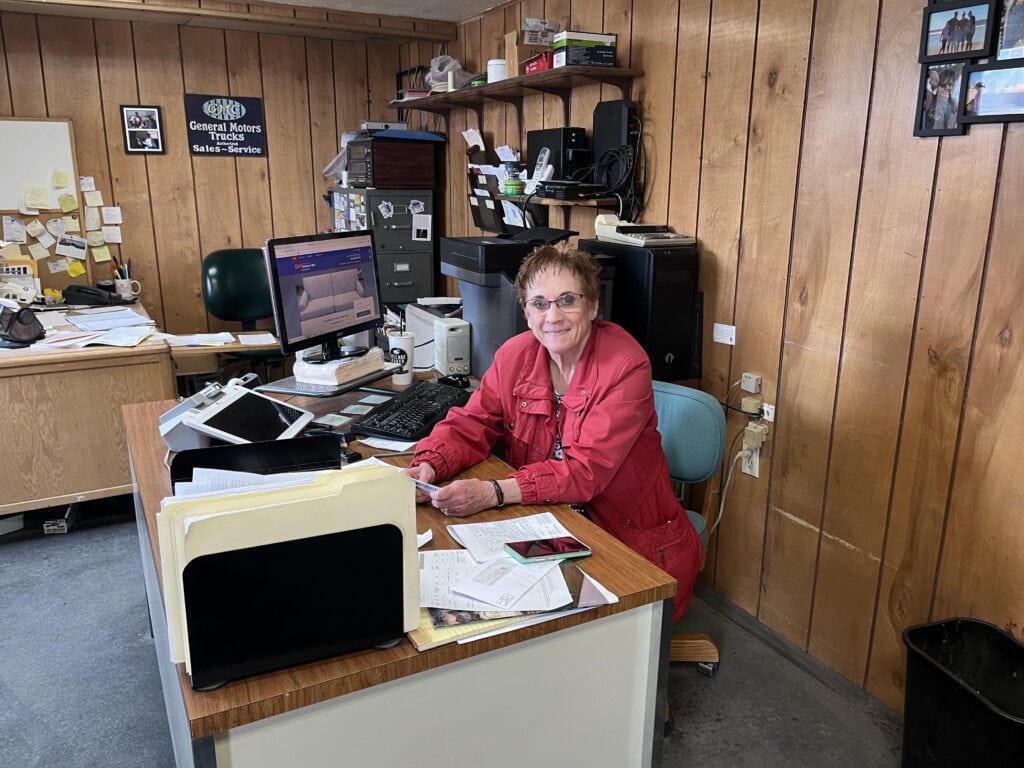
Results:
391 215
405 277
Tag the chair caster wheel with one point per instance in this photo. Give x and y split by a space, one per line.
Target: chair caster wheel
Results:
708 668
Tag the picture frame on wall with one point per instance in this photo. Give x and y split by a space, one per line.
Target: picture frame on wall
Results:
143 130
939 100
1011 31
993 93
956 29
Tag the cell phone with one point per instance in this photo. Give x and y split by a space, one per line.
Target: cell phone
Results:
536 550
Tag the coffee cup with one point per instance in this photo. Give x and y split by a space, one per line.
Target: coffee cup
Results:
126 288
400 350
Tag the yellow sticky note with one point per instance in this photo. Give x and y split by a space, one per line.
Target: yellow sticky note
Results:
75 268
37 196
68 203
61 179
101 253
37 251
94 198
73 224
94 239
11 251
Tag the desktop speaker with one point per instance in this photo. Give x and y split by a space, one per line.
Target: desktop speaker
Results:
615 126
451 345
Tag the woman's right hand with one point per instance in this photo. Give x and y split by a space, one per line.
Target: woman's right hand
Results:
425 473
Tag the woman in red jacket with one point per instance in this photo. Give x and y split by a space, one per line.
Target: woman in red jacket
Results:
571 398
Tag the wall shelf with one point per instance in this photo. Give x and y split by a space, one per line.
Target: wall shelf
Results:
557 82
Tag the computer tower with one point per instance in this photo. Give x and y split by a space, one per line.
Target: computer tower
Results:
569 152
656 299
615 126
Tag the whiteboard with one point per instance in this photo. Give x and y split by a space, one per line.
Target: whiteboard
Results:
30 152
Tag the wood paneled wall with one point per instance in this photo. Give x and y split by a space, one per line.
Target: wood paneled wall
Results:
876 282
176 206
874 278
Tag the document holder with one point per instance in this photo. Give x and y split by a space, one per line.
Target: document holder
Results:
296 454
258 609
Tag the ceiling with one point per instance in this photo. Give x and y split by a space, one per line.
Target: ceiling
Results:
441 10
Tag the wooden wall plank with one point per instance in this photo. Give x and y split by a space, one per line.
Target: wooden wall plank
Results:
171 188
492 44
382 66
286 104
723 166
351 96
322 125
982 570
559 11
773 154
586 17
688 123
885 275
129 180
254 213
830 167
21 51
6 110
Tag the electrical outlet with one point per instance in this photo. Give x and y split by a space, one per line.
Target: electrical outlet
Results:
751 462
768 411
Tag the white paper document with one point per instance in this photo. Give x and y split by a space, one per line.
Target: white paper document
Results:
441 570
104 321
485 541
252 339
504 583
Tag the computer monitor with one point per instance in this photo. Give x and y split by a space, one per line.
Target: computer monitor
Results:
323 287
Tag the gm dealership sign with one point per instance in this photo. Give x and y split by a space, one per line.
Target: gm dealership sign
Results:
225 125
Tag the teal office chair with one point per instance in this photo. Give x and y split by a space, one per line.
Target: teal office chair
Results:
692 426
236 289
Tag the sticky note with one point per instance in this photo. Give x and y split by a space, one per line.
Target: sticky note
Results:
76 268
111 234
92 219
35 228
101 253
37 196
94 197
68 203
111 214
61 179
11 251
59 265
87 183
46 239
72 224
37 251
56 227
94 239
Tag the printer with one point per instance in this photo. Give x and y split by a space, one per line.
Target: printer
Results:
486 269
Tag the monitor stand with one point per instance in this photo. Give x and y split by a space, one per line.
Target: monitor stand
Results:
332 350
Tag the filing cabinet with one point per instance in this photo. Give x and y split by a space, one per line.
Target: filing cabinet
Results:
403 225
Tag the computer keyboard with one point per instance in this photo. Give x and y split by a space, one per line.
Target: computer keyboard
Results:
413 413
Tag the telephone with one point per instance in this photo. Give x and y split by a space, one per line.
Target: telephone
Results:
542 171
610 228
87 294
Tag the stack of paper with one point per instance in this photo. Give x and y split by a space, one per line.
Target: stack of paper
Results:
472 593
306 506
339 371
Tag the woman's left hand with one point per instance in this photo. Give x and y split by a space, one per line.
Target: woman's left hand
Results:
463 498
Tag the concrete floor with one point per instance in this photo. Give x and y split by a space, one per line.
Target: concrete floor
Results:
79 684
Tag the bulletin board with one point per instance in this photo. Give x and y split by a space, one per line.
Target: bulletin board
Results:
31 152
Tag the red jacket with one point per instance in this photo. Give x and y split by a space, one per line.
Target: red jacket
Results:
612 460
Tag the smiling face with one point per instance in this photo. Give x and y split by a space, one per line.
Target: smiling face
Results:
562 331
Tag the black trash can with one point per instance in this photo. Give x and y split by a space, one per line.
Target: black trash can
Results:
964 702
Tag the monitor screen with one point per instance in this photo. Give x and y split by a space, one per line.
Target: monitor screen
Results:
324 287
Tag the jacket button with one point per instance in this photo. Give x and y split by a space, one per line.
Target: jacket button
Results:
522 404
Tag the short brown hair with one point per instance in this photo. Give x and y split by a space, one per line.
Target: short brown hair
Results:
561 256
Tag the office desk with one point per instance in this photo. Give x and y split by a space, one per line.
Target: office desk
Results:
584 690
62 420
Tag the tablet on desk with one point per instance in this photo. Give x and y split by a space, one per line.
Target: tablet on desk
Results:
239 415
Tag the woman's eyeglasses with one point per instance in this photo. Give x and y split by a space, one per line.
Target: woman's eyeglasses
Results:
567 302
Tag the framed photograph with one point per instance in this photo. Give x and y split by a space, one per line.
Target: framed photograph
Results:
957 30
143 129
993 93
938 100
1011 33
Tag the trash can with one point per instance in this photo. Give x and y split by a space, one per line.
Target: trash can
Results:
964 696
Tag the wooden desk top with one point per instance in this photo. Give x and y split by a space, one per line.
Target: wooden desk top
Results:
614 565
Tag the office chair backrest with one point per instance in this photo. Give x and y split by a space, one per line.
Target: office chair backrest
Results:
235 286
692 427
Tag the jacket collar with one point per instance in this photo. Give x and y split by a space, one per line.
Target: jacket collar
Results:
535 382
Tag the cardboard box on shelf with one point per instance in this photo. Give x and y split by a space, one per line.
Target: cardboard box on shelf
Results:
518 53
589 49
539 63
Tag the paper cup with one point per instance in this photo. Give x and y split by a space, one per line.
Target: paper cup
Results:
401 346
